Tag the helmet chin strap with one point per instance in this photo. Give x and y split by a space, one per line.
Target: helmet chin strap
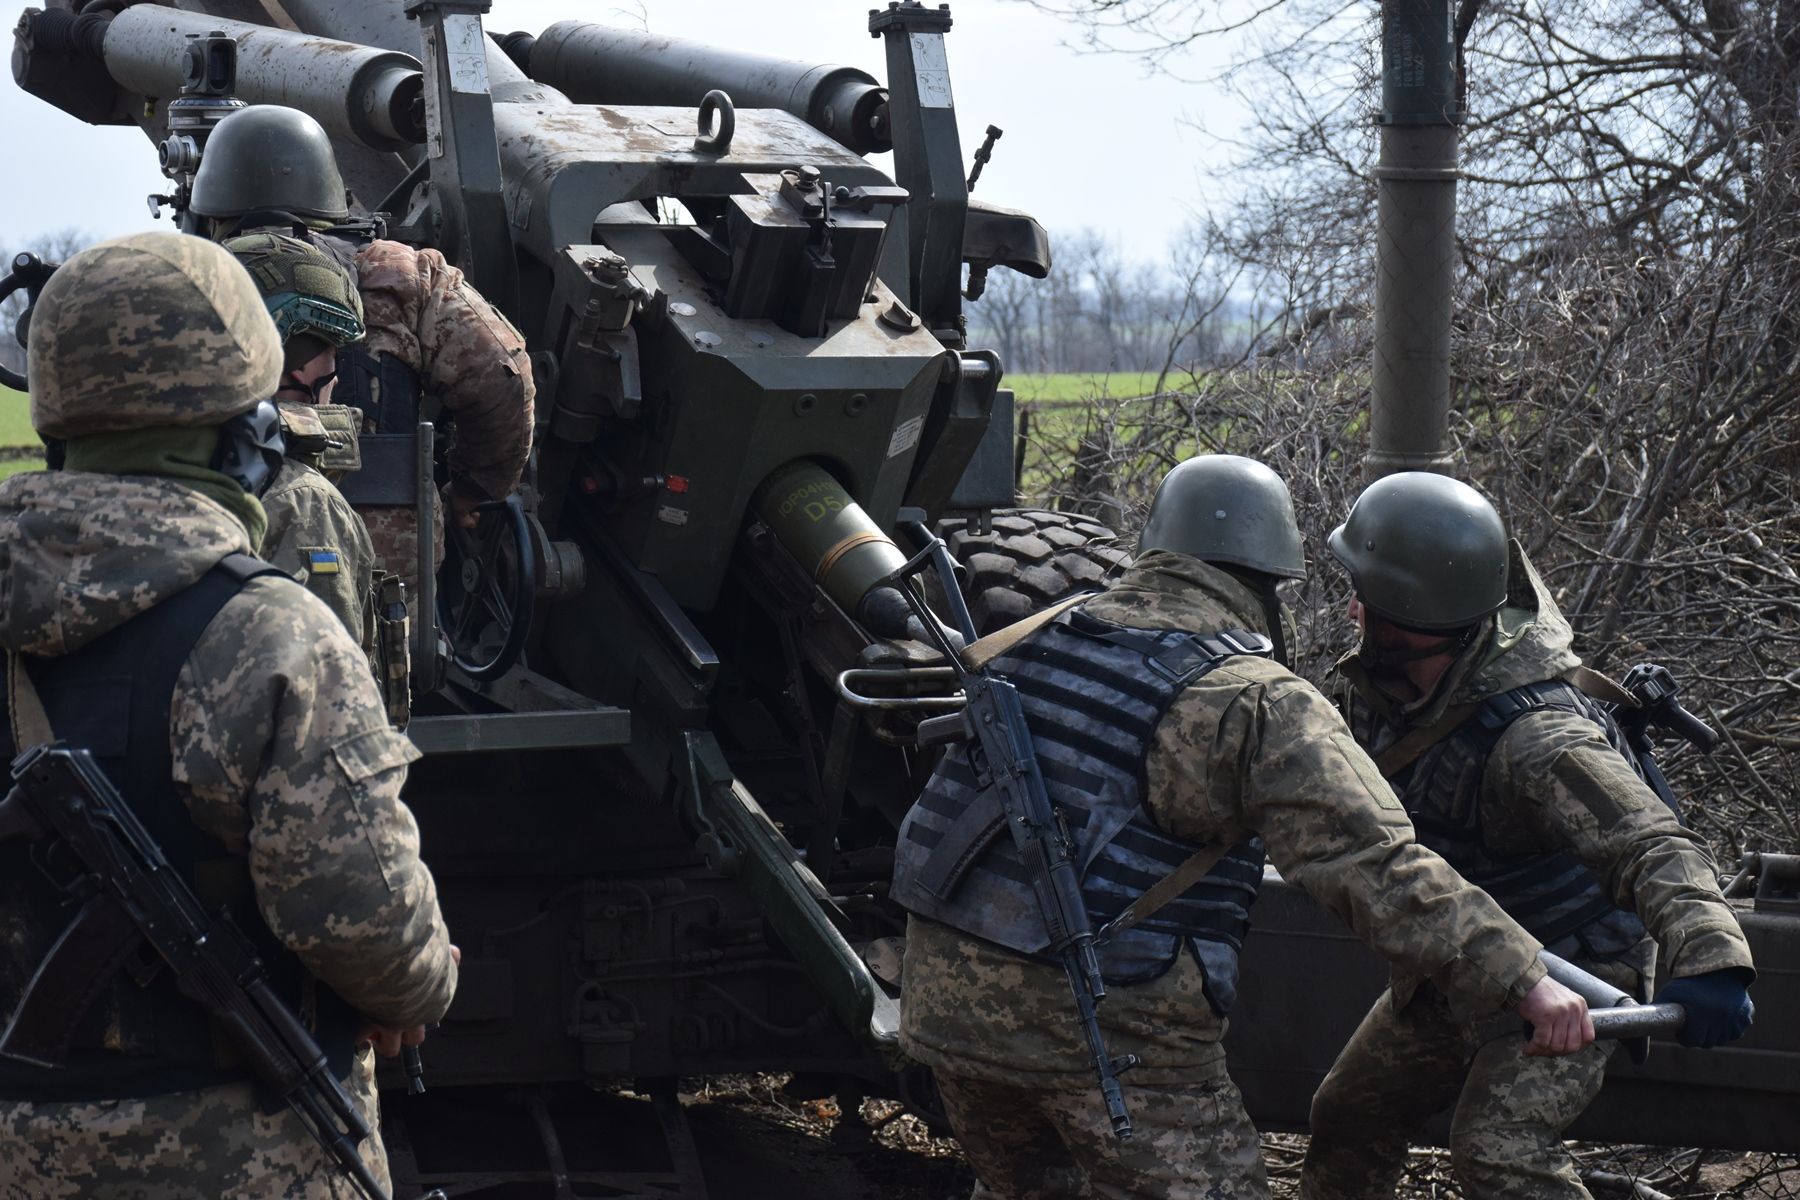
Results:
1283 653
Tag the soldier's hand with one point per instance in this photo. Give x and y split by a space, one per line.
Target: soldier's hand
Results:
1559 1020
462 506
387 1042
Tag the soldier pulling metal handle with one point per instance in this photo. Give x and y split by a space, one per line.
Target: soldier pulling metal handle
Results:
1005 762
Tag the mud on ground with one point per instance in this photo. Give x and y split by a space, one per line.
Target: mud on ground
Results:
755 1142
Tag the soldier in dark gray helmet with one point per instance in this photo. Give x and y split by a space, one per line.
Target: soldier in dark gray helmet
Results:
1469 696
234 715
1166 729
431 337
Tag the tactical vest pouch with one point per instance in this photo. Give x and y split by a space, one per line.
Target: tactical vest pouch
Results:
343 451
389 654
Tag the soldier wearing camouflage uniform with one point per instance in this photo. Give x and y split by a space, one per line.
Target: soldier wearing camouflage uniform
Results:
432 339
234 714
314 535
1156 737
1468 694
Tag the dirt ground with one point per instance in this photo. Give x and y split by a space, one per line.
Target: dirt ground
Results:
755 1143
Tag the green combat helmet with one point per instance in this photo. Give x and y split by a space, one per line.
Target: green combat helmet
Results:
269 159
1221 508
306 291
1425 551
147 331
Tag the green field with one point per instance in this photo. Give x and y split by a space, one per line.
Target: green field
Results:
15 430
1086 385
15 419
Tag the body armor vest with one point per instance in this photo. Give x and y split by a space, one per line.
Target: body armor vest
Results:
1551 893
1093 693
386 390
140 1036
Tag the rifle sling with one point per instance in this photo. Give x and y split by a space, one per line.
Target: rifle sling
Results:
1403 753
978 654
1170 887
25 711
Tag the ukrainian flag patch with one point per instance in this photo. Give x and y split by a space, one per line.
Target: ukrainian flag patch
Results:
322 562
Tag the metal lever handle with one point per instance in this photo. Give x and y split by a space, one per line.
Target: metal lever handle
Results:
1616 1014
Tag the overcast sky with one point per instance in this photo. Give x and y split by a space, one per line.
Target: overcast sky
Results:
1091 141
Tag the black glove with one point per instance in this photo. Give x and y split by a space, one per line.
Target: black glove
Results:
1718 1005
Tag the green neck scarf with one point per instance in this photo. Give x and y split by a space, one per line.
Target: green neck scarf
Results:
184 455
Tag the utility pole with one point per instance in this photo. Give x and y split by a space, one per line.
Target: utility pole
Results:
1415 256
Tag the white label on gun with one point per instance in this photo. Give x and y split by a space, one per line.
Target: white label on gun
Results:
906 436
466 48
932 69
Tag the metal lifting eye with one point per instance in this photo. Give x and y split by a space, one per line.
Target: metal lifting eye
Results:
718 122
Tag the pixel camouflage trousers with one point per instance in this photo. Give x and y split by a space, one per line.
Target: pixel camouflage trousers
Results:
1402 1067
1192 1141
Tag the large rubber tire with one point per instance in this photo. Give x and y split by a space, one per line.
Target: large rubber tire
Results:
1028 560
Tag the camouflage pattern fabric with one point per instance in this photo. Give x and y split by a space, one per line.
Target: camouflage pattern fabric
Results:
187 1146
394 538
305 289
315 536
154 330
1406 1063
1553 782
422 311
281 748
1191 1141
1247 748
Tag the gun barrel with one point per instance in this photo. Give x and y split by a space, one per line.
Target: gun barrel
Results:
369 95
600 64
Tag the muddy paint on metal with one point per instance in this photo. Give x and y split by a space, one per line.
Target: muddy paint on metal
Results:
601 64
354 91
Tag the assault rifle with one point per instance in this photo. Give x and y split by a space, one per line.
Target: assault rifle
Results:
1659 706
1003 759
135 897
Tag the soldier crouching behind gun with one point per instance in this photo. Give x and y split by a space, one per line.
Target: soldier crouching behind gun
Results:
1170 731
431 337
233 713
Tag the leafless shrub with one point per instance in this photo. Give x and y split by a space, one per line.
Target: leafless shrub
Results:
1634 416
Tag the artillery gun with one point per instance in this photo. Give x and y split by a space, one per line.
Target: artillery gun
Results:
666 758
661 830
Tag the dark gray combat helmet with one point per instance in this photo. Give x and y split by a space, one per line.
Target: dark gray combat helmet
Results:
1424 550
1221 508
269 158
